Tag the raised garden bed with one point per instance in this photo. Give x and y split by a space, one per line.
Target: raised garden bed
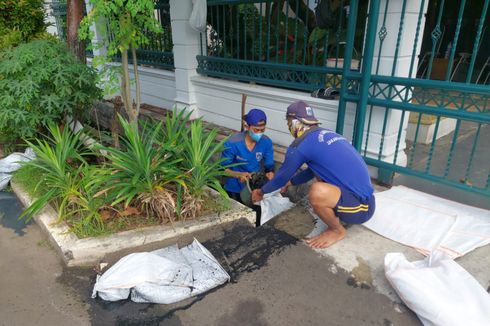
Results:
87 251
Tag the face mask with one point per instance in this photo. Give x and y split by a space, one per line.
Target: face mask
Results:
294 127
254 136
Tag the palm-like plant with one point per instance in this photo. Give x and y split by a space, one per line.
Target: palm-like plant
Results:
143 172
58 157
204 168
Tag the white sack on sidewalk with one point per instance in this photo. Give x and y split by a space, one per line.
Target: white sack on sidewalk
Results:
272 205
429 223
438 290
12 163
163 276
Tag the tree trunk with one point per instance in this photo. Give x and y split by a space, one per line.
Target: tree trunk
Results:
74 15
115 122
126 89
137 82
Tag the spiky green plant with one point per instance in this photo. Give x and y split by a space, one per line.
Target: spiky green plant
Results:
204 168
142 173
59 157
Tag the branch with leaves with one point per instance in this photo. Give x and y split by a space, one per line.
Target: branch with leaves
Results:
122 25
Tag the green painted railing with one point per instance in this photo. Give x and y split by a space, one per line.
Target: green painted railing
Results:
279 43
59 12
454 99
158 52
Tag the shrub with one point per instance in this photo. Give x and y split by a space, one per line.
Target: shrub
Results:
20 21
40 82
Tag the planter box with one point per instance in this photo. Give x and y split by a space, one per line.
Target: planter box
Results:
88 251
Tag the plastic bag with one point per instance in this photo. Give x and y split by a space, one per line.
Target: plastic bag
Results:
272 205
198 15
12 163
163 276
438 290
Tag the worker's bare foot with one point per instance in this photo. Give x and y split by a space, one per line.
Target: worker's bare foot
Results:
326 239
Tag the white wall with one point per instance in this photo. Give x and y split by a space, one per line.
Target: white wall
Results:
219 102
157 86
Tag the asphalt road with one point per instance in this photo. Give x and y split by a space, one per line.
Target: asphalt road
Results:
276 280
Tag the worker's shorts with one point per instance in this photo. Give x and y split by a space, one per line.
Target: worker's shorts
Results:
352 209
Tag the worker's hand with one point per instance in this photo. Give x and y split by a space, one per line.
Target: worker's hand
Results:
257 195
285 188
269 175
244 176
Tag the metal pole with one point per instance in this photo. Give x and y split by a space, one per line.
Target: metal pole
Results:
351 29
366 71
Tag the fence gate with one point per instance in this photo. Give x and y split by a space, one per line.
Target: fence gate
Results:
421 98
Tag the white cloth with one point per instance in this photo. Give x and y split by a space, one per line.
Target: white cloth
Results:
438 290
163 276
198 16
429 223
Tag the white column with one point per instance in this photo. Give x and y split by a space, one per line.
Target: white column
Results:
402 69
99 35
49 19
186 47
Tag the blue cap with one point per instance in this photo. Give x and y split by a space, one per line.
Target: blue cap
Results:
302 111
254 117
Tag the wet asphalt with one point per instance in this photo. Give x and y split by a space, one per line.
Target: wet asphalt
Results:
275 280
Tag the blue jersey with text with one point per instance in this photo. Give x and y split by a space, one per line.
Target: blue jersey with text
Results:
330 157
236 151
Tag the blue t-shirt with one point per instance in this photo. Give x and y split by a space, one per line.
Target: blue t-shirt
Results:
330 157
236 151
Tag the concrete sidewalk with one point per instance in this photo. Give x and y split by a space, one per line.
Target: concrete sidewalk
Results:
276 280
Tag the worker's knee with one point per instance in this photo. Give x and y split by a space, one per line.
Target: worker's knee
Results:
324 194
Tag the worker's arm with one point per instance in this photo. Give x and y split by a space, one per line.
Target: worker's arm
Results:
302 177
292 162
229 157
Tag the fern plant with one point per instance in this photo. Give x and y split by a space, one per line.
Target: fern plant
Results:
40 82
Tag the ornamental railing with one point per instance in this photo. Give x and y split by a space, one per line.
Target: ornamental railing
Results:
158 52
297 44
59 13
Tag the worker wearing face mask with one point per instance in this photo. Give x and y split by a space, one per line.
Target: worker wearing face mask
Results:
343 189
253 152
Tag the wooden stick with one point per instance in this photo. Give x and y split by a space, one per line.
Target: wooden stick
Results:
244 100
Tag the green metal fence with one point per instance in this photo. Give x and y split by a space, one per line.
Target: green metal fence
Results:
426 76
59 12
279 43
458 92
158 52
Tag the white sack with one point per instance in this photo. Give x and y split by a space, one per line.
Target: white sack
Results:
12 163
198 15
163 276
438 290
272 205
429 223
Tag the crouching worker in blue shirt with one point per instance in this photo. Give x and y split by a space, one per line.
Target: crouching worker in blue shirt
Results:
343 191
254 153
